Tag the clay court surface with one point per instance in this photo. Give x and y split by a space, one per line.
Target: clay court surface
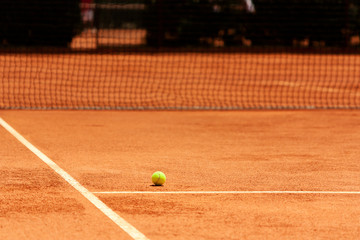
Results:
220 157
230 174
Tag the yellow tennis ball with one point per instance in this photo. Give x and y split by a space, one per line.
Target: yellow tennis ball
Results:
158 178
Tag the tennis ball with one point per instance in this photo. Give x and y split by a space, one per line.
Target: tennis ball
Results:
158 178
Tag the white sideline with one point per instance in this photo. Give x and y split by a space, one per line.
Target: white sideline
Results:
230 192
127 227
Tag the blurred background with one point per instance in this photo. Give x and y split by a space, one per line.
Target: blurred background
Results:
173 23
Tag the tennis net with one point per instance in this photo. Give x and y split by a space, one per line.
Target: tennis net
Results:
180 54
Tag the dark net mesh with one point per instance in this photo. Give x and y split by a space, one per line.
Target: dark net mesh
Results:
179 54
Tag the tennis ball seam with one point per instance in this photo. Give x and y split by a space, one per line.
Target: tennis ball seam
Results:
157 181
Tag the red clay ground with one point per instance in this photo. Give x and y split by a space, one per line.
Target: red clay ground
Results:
198 151
36 204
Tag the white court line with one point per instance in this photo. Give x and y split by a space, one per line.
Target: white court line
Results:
127 227
230 192
317 88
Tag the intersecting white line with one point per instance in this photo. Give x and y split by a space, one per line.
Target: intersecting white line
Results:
229 192
122 223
